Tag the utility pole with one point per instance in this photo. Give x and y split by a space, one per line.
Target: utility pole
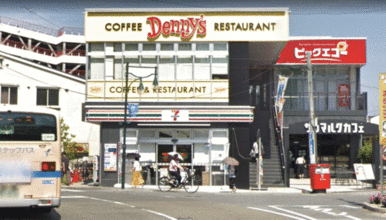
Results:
312 135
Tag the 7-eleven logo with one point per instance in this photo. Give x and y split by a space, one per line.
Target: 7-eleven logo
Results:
175 114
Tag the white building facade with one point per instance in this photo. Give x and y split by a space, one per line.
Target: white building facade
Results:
24 83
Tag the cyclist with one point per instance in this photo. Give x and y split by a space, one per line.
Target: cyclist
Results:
175 168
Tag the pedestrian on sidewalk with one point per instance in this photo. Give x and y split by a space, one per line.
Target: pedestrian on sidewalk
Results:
65 168
136 178
300 163
232 178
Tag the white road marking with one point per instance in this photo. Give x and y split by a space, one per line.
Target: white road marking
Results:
72 190
120 203
73 197
160 214
277 213
292 212
329 211
350 206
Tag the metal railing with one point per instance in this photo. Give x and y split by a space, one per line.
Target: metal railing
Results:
43 51
40 28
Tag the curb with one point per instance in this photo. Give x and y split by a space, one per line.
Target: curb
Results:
374 207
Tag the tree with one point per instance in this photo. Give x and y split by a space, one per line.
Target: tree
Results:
365 154
70 147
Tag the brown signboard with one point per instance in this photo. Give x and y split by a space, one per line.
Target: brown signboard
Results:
382 108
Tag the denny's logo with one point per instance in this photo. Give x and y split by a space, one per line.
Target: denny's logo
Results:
183 28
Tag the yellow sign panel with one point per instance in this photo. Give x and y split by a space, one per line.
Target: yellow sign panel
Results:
382 108
205 26
216 91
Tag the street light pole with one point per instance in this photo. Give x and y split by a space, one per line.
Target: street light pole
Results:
124 128
132 112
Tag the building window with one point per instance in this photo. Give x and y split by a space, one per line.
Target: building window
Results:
96 47
167 47
9 95
131 47
47 97
202 47
148 47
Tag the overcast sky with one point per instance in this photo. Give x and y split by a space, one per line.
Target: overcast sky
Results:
338 18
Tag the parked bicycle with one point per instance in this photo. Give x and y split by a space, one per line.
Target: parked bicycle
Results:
190 182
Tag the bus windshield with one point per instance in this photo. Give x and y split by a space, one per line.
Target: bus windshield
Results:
27 127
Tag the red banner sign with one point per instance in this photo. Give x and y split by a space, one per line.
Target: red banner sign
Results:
324 52
344 95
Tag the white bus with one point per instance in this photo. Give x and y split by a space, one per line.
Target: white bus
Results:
30 158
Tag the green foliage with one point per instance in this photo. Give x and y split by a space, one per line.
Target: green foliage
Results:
64 179
69 146
365 154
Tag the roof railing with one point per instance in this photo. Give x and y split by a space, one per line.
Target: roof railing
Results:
40 28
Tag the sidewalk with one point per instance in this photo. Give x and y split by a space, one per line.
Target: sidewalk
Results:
296 186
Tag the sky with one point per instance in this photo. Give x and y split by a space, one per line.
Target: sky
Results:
335 18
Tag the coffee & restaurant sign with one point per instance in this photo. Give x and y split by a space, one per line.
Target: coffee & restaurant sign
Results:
216 91
201 26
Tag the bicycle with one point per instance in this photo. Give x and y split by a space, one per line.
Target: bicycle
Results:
190 182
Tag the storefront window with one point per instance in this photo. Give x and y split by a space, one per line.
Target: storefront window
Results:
186 153
166 134
132 61
184 68
220 134
183 134
97 68
166 68
201 134
220 67
118 69
202 68
147 134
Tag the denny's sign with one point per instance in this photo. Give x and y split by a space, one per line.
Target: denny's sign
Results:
186 26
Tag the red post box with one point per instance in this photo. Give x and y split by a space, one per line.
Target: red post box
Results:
320 177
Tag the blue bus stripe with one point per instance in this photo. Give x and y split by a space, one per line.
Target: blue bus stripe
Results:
40 174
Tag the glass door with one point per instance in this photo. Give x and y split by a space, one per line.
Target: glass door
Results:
186 152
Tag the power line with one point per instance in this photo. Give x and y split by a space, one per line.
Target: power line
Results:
42 17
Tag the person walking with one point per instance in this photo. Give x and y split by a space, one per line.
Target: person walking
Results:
300 162
232 178
65 168
136 178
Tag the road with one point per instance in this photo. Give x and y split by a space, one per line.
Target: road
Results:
107 203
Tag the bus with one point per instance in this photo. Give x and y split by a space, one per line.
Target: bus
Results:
30 158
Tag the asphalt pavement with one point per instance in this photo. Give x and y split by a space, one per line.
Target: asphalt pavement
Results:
296 186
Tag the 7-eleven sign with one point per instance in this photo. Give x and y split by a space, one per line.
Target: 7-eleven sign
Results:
175 115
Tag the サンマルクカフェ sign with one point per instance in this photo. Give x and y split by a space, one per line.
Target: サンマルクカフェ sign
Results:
183 90
186 26
338 127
